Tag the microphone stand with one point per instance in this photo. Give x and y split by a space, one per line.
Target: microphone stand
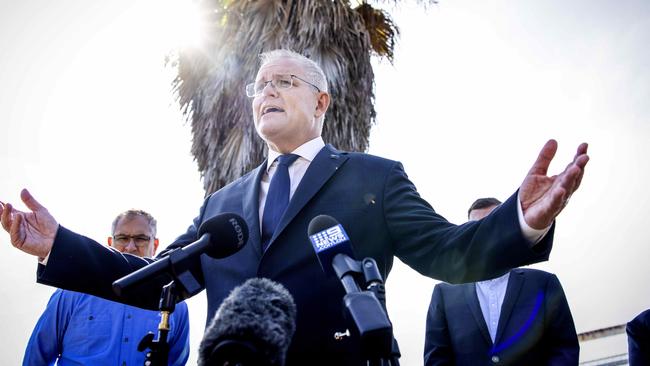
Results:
375 284
158 354
367 309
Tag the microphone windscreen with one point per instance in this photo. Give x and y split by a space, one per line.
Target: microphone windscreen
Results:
258 316
228 234
320 223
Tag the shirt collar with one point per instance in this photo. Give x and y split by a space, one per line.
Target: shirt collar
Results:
496 281
306 151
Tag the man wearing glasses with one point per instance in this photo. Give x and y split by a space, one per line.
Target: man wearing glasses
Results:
80 329
302 177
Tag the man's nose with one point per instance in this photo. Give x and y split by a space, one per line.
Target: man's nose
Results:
270 89
130 246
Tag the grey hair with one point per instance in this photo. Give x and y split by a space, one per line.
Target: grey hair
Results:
134 213
313 72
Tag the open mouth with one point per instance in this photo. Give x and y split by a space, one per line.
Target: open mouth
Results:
271 109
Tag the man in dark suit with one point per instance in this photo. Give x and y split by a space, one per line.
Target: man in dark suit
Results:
370 196
638 339
519 318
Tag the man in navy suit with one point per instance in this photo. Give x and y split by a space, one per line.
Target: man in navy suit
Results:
519 318
638 339
371 197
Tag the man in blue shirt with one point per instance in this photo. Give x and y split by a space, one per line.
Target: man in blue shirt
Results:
80 329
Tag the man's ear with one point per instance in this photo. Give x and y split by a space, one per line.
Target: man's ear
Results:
110 241
322 103
155 245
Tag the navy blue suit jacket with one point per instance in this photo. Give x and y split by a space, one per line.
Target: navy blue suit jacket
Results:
638 339
535 326
377 205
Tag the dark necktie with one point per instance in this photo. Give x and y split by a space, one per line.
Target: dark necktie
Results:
277 198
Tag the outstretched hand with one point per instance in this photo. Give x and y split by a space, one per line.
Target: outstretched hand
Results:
543 197
32 232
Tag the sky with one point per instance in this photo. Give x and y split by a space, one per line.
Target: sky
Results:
89 124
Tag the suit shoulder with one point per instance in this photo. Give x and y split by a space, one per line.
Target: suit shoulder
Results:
536 274
235 185
369 158
378 165
446 287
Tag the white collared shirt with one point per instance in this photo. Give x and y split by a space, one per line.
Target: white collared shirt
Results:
307 153
490 296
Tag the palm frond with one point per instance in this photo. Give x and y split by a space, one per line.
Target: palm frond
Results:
381 29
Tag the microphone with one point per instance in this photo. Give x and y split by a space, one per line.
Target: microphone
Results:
328 238
334 252
219 237
252 327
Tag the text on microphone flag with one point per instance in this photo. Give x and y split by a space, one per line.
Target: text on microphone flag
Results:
328 238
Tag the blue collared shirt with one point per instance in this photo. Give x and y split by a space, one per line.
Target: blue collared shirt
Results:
79 329
490 296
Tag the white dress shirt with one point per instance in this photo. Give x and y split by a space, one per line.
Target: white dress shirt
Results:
490 296
306 152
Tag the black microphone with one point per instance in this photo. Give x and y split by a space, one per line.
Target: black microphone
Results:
334 251
329 239
219 237
252 327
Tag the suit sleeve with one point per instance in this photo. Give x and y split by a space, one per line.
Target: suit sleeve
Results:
45 344
179 350
437 341
81 264
560 333
470 252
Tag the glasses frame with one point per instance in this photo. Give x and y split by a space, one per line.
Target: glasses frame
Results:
135 238
250 88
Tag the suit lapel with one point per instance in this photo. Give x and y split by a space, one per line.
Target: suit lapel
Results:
475 309
321 169
515 283
251 207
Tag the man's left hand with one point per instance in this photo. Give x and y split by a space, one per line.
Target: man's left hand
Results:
543 197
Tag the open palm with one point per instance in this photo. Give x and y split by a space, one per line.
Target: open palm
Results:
543 197
32 232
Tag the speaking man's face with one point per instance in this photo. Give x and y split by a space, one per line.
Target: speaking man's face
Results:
287 117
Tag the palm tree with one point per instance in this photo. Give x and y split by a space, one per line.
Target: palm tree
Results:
210 80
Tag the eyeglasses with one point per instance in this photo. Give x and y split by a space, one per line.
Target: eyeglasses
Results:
140 241
280 82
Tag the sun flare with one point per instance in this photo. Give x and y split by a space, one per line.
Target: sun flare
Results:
179 23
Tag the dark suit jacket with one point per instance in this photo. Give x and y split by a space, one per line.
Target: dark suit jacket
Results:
638 339
535 325
377 205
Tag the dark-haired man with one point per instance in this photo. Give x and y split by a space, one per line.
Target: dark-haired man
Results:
519 318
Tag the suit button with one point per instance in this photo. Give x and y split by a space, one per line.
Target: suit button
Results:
495 359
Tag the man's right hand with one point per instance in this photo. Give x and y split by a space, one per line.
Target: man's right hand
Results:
32 232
